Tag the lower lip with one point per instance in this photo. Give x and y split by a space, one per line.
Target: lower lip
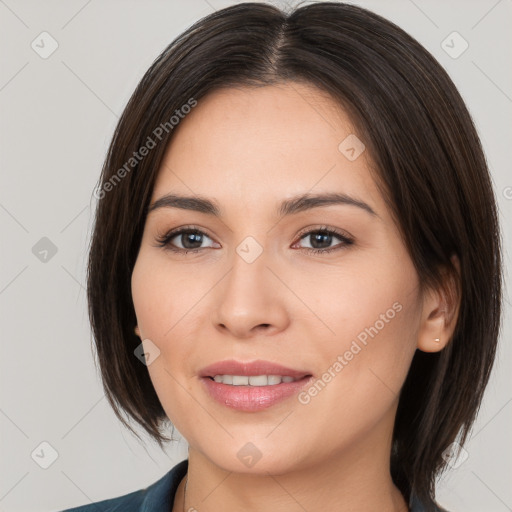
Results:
253 398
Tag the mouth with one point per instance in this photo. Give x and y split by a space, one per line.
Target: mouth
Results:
252 386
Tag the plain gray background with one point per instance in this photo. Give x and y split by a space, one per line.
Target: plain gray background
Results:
58 114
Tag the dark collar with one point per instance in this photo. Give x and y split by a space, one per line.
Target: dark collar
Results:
159 497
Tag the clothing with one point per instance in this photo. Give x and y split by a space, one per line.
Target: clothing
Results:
159 496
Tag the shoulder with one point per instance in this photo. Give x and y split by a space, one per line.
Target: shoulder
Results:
131 502
156 497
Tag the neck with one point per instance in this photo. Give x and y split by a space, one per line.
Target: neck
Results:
352 479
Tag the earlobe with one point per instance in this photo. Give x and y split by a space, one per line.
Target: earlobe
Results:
137 331
440 313
432 345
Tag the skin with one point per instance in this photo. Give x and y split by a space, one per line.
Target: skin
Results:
248 149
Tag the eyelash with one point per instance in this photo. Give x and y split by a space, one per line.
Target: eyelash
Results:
164 241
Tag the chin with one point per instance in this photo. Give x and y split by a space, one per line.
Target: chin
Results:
255 458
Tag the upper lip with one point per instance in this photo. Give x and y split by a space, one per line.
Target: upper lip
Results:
250 368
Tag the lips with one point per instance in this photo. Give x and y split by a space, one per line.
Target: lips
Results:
252 386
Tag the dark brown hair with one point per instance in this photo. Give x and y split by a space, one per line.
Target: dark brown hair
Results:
426 155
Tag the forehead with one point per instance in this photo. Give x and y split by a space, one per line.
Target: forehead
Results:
258 142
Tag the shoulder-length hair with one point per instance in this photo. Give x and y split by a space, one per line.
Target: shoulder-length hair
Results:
426 155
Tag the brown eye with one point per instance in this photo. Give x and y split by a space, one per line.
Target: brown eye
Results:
321 240
184 240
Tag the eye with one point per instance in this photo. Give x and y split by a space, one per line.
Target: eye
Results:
186 239
322 238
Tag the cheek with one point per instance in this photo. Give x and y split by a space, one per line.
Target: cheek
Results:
161 298
167 302
374 313
380 316
160 294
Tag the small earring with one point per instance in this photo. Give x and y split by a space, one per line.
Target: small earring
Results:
437 340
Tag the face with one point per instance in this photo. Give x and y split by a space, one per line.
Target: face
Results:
326 290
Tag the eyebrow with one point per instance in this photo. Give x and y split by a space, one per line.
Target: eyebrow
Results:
290 206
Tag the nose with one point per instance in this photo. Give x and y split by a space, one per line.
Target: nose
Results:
250 301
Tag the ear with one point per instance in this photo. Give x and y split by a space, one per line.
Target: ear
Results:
137 331
440 312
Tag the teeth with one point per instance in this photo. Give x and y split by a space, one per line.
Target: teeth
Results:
240 380
256 380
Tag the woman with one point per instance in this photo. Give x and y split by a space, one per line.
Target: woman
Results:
296 263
